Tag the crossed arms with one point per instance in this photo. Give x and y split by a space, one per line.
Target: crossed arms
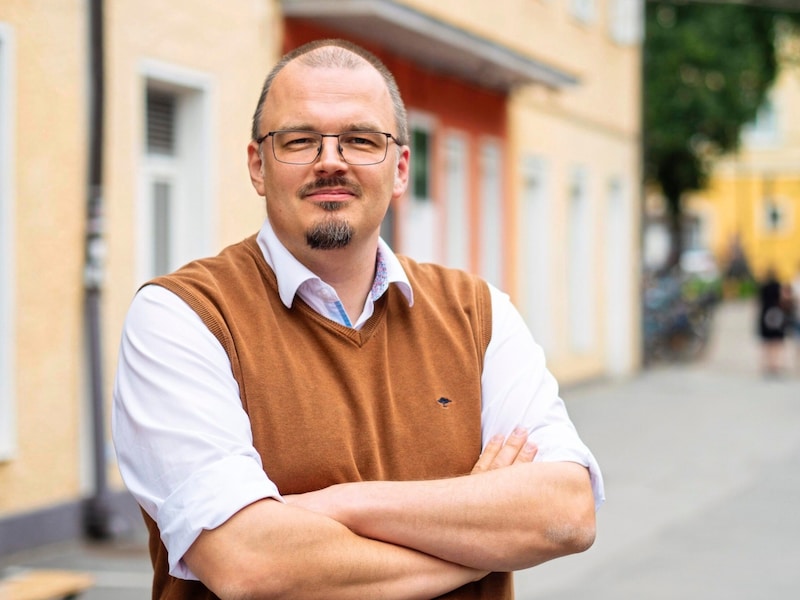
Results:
403 540
366 540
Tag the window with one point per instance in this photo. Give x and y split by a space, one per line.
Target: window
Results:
456 201
163 162
419 226
776 216
581 292
421 146
7 277
583 10
174 223
627 21
765 130
535 239
618 277
493 231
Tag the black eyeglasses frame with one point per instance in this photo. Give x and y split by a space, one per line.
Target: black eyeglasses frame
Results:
322 136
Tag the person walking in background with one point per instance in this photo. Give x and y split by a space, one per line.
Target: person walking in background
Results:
773 322
308 415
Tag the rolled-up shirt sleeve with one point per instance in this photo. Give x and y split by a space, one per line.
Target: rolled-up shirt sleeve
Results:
519 390
179 429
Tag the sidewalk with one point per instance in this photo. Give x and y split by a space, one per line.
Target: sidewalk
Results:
120 568
702 472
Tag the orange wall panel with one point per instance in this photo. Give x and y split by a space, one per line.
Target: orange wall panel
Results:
475 112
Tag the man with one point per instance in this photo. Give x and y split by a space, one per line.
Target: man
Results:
308 415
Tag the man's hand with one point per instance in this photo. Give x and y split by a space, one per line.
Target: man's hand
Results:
508 514
501 452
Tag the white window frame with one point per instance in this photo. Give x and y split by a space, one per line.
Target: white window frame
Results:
584 11
535 240
580 244
492 219
619 276
190 170
420 224
8 417
457 204
627 21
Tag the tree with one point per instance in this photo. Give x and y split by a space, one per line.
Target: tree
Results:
707 70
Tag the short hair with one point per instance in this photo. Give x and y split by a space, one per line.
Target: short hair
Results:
336 53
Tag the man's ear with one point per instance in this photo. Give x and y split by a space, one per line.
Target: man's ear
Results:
401 173
256 165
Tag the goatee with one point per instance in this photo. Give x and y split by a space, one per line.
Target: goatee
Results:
329 235
332 233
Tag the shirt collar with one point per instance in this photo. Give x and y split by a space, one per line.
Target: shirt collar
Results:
291 273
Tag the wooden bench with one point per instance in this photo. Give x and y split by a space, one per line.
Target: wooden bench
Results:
44 584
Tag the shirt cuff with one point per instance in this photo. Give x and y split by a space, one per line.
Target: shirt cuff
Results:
551 448
198 504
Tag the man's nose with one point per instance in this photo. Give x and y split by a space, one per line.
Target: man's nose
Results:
330 156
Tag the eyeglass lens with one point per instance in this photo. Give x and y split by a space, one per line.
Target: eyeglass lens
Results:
356 147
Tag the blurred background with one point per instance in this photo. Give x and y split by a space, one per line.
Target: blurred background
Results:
628 171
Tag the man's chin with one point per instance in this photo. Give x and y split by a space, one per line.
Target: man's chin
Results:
330 235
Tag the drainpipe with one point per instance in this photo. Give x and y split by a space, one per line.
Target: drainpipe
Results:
97 508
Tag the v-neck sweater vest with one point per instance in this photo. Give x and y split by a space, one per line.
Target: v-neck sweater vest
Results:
399 399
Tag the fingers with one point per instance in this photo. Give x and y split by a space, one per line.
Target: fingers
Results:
490 452
501 452
511 450
527 453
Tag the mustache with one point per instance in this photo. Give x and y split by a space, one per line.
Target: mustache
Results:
336 181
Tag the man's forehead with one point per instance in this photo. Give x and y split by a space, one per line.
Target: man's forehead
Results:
347 82
298 67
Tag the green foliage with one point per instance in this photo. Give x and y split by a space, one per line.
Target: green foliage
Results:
707 69
695 289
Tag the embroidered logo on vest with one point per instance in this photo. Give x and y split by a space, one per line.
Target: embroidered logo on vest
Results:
445 402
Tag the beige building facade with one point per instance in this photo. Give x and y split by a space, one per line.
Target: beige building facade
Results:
528 109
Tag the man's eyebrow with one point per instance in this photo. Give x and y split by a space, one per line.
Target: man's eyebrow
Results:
362 127
299 126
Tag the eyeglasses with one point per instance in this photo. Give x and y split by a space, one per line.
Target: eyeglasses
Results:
298 147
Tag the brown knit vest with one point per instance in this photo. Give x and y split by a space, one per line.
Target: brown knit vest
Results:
398 400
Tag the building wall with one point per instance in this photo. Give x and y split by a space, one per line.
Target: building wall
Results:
213 56
51 461
592 127
450 107
189 42
48 170
609 161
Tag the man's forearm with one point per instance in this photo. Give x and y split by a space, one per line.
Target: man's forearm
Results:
271 550
501 520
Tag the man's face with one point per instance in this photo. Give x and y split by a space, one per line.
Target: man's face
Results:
328 203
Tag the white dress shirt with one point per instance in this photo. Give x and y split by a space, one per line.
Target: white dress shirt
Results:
184 442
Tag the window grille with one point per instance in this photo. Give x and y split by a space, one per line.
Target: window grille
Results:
160 122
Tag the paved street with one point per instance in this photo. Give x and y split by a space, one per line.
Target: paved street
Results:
702 470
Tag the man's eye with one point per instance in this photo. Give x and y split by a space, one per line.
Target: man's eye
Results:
300 141
358 140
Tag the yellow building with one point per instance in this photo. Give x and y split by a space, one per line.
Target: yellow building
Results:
753 197
47 449
526 113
